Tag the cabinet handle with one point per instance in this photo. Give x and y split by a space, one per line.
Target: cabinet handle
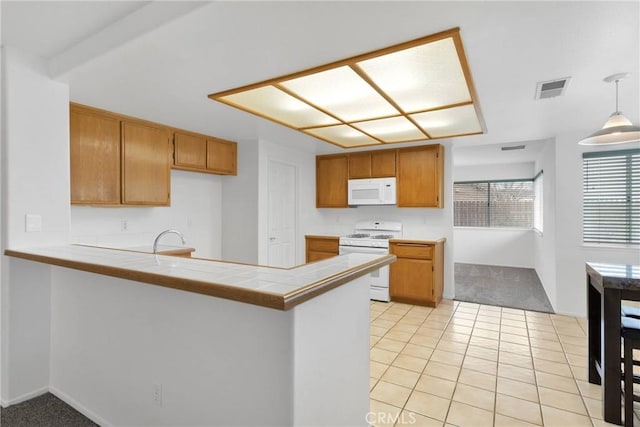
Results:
415 245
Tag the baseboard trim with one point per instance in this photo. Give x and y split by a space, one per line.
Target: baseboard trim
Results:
26 396
80 408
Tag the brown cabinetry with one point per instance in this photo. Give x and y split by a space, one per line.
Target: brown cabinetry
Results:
146 165
95 158
222 156
417 275
418 170
420 176
189 151
201 153
117 160
372 164
320 247
331 181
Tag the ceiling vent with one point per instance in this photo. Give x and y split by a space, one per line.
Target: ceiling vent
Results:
551 88
513 147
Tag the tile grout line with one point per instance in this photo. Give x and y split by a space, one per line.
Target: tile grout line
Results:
562 345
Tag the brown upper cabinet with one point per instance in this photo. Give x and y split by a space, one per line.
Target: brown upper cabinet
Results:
201 153
418 171
222 156
420 176
118 160
331 181
372 164
189 151
146 165
95 157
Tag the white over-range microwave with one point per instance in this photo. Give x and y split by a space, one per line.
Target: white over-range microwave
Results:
374 191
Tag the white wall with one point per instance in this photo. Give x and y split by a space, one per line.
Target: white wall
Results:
494 246
544 244
240 207
35 177
196 211
571 253
216 359
485 172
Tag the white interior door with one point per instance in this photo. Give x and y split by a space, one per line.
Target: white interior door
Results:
282 221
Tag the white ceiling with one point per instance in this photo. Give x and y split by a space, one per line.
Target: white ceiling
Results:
165 72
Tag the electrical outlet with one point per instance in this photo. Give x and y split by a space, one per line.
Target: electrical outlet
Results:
157 394
124 225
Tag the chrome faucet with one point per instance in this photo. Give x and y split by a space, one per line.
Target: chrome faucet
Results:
155 242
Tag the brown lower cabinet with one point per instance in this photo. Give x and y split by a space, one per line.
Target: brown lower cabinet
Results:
417 275
320 247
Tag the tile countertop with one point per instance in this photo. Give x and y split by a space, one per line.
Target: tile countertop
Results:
278 288
617 276
428 241
161 249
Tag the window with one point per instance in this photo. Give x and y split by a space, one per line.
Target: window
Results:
611 203
538 207
504 203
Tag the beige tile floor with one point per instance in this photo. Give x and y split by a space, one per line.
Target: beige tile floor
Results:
465 364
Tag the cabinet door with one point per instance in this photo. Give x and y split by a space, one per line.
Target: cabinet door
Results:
95 158
320 248
359 165
145 165
411 280
420 181
222 156
383 164
331 181
189 151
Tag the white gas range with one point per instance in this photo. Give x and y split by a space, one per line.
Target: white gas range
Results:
372 237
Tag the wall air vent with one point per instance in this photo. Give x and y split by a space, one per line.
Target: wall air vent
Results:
513 147
551 88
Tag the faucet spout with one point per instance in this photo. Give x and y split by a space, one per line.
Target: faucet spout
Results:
157 239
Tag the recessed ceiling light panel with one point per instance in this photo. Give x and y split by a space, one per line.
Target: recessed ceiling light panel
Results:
422 77
272 103
408 92
449 122
343 135
394 129
342 92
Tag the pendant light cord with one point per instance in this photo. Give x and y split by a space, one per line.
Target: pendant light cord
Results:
617 112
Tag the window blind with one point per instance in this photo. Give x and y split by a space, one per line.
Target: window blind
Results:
507 203
611 198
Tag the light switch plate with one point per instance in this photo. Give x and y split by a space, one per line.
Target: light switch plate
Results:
32 223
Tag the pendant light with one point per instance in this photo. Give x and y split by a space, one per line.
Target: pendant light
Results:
618 129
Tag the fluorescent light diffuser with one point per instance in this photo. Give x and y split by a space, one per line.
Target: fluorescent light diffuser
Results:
412 91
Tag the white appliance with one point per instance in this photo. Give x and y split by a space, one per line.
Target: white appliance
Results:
374 191
372 237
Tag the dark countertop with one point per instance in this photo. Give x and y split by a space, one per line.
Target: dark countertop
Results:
615 276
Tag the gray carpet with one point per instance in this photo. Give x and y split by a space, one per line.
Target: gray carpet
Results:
504 286
43 411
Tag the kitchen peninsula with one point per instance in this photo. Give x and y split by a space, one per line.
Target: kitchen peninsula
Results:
245 345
